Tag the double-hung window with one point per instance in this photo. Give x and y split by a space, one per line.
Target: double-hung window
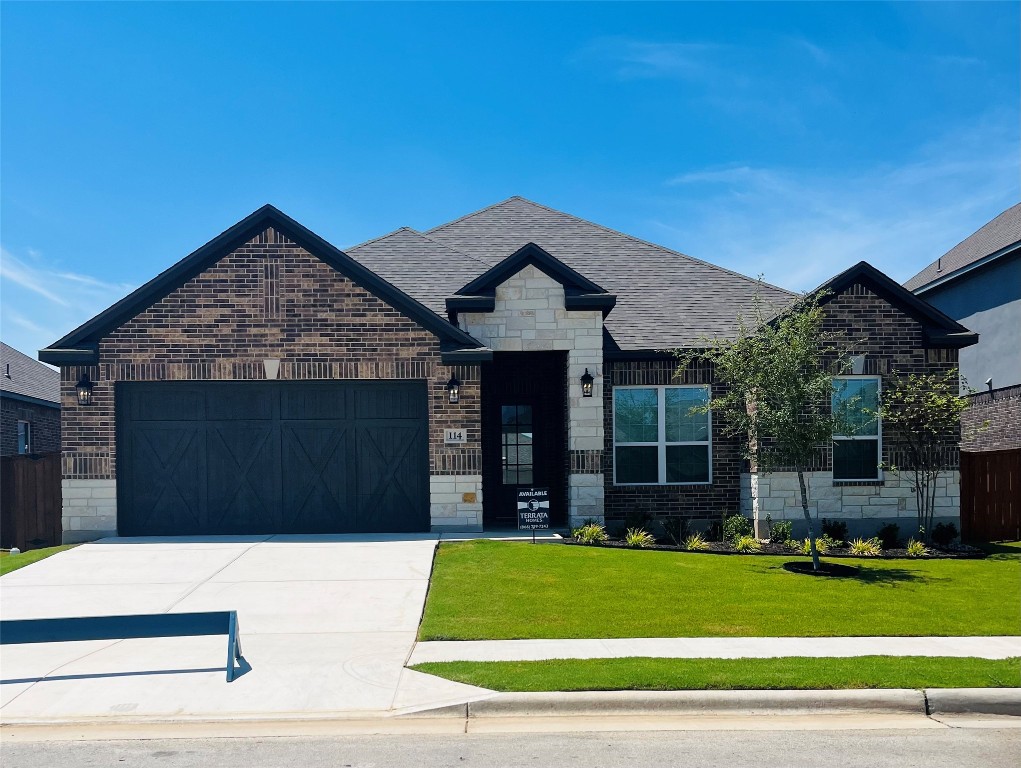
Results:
857 453
657 440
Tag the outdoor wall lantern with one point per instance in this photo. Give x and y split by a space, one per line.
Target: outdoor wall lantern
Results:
453 390
84 389
586 384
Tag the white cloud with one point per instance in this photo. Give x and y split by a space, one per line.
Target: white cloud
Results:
800 227
42 301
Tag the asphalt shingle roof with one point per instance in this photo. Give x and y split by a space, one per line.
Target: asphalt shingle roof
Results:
28 377
664 298
1003 231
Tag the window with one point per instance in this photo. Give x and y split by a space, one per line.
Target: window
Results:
657 440
24 437
856 455
516 439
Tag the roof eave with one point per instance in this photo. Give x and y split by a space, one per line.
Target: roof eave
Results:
967 268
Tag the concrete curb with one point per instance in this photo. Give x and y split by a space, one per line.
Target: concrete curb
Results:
688 703
974 701
890 701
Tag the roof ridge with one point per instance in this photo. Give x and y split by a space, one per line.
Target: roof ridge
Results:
620 234
661 247
455 250
382 237
476 213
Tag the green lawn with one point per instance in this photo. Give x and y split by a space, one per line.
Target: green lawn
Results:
9 562
637 674
503 590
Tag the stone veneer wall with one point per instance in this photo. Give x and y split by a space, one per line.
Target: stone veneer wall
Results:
529 316
268 299
865 508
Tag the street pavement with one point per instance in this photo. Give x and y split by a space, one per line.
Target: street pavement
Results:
900 748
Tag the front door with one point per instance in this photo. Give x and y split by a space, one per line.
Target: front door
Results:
523 433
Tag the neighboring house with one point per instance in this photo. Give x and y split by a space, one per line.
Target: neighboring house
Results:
29 405
270 382
978 282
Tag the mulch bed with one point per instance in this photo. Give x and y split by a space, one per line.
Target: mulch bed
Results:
954 552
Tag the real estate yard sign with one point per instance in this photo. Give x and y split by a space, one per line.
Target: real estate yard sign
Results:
533 509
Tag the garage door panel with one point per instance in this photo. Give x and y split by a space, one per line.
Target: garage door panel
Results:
314 401
272 457
388 472
166 460
252 402
243 477
316 466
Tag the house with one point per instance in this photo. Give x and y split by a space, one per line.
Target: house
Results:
978 283
29 405
270 382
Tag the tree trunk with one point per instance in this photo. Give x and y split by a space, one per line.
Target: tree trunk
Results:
808 519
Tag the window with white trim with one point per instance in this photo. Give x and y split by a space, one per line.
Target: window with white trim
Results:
857 455
24 437
657 440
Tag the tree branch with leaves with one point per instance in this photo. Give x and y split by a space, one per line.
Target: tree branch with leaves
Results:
776 384
921 414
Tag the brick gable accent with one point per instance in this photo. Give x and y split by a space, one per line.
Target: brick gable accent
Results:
268 299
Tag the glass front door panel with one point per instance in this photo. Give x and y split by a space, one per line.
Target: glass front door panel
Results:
516 439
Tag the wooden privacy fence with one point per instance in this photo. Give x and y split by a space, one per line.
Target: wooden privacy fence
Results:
30 501
991 495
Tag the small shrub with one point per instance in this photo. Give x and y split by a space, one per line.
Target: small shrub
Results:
943 534
676 529
736 526
916 549
830 542
747 544
638 538
889 535
836 530
638 518
792 544
593 533
867 547
714 532
780 531
822 545
695 543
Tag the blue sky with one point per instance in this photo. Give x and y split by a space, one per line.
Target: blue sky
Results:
784 140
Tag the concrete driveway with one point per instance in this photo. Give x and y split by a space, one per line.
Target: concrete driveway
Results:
327 624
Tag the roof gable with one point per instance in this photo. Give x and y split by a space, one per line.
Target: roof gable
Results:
993 240
23 378
940 330
81 345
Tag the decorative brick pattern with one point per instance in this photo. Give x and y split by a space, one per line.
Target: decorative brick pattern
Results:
45 428
992 421
268 299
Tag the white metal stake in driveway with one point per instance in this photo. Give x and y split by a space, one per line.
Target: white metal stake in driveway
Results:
327 623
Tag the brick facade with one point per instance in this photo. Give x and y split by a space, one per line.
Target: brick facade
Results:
269 299
45 423
992 421
893 343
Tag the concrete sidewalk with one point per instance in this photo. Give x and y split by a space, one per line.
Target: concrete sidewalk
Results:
714 648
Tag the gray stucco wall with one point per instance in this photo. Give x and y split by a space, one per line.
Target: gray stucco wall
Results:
987 301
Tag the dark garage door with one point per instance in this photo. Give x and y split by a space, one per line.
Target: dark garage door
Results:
271 457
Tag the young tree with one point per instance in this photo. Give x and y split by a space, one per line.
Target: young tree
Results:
921 414
777 384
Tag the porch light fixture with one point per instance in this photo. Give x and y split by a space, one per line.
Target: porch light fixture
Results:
84 390
453 390
586 384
